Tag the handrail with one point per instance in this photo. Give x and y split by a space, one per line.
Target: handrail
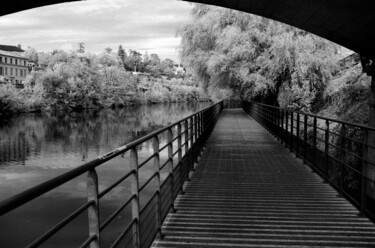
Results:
318 116
197 128
337 150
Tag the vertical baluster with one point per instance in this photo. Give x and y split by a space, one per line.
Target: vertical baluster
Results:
291 130
314 141
186 140
297 135
155 145
135 194
192 153
342 159
179 154
170 165
278 119
326 151
364 170
286 127
200 135
304 138
93 210
282 126
196 138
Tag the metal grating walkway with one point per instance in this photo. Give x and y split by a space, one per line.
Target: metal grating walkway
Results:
250 191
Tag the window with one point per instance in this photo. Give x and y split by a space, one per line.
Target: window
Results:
24 72
6 71
21 73
11 71
11 61
6 60
16 72
1 59
24 62
1 70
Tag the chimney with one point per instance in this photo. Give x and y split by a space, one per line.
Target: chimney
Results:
19 46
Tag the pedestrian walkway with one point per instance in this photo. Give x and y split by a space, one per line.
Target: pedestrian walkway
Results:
250 191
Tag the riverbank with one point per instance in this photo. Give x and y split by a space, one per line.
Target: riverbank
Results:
49 93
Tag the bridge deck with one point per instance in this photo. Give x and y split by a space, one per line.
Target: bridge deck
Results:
250 191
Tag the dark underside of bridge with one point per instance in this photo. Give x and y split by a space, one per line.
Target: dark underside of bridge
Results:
349 23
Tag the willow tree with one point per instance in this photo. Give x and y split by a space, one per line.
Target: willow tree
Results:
254 56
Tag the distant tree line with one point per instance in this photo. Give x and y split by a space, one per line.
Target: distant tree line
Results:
69 80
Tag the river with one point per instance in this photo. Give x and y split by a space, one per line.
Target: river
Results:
36 147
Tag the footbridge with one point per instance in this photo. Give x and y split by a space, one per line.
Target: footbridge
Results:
255 176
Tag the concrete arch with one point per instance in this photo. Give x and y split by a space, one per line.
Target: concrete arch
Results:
350 23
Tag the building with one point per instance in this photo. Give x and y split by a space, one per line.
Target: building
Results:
13 65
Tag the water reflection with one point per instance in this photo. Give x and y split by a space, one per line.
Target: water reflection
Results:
33 139
36 147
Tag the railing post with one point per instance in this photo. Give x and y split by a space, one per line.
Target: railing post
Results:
200 132
197 147
286 128
282 126
192 152
135 194
170 165
297 134
179 154
93 210
155 145
186 139
364 171
314 141
305 138
326 150
342 159
291 130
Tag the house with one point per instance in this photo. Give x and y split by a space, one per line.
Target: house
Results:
13 65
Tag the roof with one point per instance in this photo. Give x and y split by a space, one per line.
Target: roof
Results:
13 54
346 22
11 48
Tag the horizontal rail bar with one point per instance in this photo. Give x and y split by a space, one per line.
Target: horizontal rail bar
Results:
114 214
60 225
104 192
88 241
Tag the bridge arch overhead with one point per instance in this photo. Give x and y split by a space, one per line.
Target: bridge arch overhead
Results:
350 23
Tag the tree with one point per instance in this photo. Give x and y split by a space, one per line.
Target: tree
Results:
134 59
123 56
31 54
255 57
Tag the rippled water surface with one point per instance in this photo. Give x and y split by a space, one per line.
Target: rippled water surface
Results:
37 147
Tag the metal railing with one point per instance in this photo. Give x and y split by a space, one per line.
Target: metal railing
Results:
336 150
185 142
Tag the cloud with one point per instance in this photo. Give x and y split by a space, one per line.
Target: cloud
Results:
136 24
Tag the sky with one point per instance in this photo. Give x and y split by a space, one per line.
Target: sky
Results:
143 25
